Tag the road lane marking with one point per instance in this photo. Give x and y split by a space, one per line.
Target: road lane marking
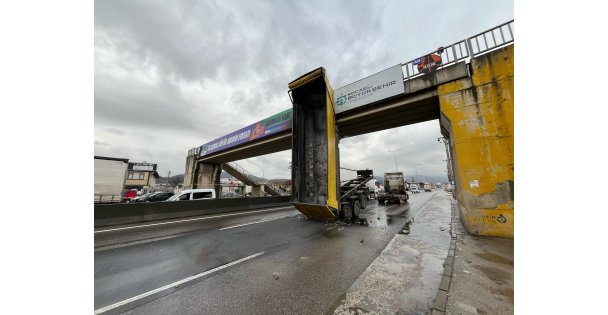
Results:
187 220
174 284
235 226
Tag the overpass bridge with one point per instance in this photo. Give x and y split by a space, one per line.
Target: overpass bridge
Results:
467 86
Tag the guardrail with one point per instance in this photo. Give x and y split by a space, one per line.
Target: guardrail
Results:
102 198
123 213
465 49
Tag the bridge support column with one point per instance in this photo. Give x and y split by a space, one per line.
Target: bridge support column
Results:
190 172
477 117
208 176
256 191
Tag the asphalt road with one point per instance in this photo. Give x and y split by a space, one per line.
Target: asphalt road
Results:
267 262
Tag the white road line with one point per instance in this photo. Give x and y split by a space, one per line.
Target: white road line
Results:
187 220
174 284
234 226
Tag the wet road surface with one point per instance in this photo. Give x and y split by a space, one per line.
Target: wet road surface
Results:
292 265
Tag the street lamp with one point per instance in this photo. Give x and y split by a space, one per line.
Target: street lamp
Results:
395 151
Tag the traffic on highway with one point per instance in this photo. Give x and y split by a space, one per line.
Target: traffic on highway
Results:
242 262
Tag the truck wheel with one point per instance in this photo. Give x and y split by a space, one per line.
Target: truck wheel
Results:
356 209
347 212
363 201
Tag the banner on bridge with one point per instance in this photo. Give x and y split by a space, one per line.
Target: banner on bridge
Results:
269 126
379 86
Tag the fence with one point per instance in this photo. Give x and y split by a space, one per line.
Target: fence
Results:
101 198
465 49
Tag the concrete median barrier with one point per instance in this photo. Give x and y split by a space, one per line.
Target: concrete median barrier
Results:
112 214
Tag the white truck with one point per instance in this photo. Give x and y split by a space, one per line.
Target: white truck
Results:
427 187
373 189
110 177
394 188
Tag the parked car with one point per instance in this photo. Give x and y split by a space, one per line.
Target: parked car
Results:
193 194
155 196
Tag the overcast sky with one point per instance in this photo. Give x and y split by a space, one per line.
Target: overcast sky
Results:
173 75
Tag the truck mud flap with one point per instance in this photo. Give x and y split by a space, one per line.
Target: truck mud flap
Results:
315 211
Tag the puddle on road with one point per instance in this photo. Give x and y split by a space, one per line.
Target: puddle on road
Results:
382 216
495 258
506 292
375 219
494 274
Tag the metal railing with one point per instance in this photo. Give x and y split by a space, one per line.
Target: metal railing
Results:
257 180
465 49
245 173
102 198
480 43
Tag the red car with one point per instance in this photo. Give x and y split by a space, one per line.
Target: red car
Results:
129 194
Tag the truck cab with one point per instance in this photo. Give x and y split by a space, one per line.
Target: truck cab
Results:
427 187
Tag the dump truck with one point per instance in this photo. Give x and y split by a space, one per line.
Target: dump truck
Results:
354 194
314 167
316 188
394 188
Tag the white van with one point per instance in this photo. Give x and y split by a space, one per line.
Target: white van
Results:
193 194
414 189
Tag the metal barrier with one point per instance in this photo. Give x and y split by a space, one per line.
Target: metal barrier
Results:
465 49
101 198
481 43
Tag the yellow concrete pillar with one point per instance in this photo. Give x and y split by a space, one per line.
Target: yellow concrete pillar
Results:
480 110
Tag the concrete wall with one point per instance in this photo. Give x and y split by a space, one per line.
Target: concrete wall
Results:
123 213
480 113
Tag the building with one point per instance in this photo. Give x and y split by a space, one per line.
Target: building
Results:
109 178
141 176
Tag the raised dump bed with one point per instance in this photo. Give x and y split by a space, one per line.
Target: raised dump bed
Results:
315 180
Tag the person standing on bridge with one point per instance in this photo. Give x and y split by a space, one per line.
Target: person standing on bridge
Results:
431 62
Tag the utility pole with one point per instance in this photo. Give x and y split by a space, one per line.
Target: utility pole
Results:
449 159
395 151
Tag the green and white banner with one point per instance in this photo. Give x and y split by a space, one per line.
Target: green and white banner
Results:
379 86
